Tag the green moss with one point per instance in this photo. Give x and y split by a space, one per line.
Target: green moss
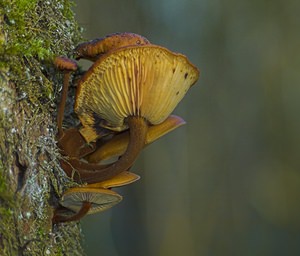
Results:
16 17
32 33
36 31
5 212
3 188
2 181
6 200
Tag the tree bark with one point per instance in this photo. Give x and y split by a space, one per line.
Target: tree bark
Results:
31 179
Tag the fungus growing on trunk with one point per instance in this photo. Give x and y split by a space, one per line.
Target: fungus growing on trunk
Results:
130 87
92 50
97 197
121 179
117 145
79 201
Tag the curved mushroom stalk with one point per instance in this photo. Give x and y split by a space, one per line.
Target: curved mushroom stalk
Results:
75 195
64 215
70 141
79 201
116 146
72 144
67 66
93 173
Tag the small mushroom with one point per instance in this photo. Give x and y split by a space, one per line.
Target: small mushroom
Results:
117 145
92 50
121 179
80 201
130 87
67 66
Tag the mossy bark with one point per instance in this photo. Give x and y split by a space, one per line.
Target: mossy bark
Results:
31 179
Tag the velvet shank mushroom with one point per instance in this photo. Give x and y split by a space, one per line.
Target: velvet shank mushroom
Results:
79 201
92 198
131 87
145 81
92 50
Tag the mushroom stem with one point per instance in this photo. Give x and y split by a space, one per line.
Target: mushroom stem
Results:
62 104
82 212
117 145
92 173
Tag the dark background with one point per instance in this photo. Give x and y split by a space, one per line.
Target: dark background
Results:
228 182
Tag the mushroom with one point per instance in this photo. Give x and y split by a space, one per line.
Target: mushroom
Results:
67 66
92 50
132 88
117 145
121 179
92 198
79 201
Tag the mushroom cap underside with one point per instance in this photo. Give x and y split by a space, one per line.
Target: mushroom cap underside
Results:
101 199
147 81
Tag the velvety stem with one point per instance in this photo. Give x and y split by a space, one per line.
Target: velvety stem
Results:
117 145
82 212
92 173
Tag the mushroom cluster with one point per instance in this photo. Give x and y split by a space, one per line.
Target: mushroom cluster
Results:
124 102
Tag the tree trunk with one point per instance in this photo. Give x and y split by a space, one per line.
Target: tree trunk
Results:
31 179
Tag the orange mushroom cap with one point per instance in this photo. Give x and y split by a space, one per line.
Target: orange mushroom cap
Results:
93 49
122 179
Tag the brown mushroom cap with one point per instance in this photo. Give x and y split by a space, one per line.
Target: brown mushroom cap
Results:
93 49
101 199
147 81
64 63
122 179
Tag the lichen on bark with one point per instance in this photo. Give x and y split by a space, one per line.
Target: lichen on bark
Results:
31 180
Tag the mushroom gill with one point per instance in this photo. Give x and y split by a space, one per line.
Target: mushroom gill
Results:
146 81
130 88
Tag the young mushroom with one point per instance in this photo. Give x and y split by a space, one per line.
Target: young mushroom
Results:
79 201
92 50
92 198
70 141
130 87
67 66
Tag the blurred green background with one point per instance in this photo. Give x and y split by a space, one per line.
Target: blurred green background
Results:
228 182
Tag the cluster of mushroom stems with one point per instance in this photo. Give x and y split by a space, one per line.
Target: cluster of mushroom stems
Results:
124 102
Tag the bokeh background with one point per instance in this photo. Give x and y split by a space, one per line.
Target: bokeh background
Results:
227 183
